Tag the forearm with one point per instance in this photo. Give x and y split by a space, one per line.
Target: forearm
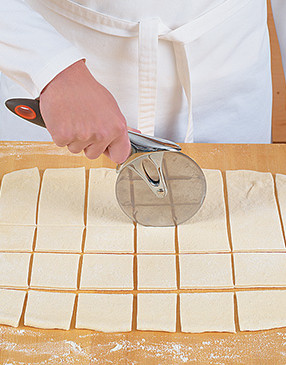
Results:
32 52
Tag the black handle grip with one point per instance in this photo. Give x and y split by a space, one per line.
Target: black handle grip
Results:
28 109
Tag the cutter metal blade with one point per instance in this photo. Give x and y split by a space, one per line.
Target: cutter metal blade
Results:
159 188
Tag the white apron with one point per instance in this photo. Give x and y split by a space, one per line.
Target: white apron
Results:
207 80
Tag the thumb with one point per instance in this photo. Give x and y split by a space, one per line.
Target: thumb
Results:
133 130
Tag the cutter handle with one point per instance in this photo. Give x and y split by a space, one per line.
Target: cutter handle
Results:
28 109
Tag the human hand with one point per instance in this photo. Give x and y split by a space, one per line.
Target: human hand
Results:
82 114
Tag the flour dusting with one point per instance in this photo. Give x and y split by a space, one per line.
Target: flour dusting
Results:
116 348
45 347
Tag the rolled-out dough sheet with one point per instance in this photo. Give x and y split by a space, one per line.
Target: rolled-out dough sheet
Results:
254 218
260 310
156 272
54 271
11 306
14 269
281 192
109 239
205 312
19 195
260 269
205 271
157 312
16 238
105 312
155 239
49 310
62 197
100 271
206 231
102 206
59 239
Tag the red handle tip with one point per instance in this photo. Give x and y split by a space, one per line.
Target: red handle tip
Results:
25 112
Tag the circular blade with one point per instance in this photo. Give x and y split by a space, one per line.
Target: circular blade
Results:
186 190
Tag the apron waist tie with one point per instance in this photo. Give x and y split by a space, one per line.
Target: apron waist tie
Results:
147 74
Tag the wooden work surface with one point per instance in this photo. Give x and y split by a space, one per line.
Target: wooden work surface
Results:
279 85
25 345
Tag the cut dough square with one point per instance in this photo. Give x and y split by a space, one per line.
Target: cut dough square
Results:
49 310
205 271
19 195
281 192
11 306
62 197
102 206
105 312
57 238
155 239
16 238
110 239
260 269
205 312
254 218
14 269
157 312
109 271
157 272
55 271
261 310
206 231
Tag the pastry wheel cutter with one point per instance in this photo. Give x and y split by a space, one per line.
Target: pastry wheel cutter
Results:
156 186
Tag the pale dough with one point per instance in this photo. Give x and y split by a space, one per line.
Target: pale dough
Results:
155 239
16 238
156 312
156 272
254 219
19 195
206 231
59 239
102 206
62 197
108 271
14 269
205 271
109 239
204 312
49 310
260 269
281 192
105 312
255 225
11 306
260 310
54 271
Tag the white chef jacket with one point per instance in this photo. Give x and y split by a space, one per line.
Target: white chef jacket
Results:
186 70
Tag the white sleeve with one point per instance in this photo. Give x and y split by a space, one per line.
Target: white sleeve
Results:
279 14
32 52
